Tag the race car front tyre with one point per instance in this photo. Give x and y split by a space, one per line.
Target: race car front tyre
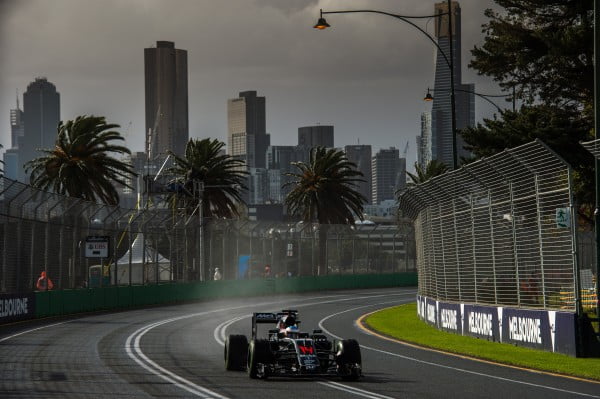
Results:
349 360
236 351
259 356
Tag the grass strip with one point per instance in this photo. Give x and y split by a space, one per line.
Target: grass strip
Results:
401 322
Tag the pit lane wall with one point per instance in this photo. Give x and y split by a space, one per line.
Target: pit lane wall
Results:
539 329
16 307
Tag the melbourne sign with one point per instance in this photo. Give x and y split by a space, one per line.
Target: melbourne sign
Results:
15 307
540 329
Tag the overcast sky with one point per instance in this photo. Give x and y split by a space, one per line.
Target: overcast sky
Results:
366 75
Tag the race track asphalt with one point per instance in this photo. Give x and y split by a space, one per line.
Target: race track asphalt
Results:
177 351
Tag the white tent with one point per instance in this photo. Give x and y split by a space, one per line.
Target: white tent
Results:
144 261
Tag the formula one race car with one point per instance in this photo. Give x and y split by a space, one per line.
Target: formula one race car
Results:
289 352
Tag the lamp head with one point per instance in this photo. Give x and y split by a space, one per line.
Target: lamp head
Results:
428 96
321 24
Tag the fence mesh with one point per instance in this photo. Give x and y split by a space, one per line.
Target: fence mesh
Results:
40 231
500 231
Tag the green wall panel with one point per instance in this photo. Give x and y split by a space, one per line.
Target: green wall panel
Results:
54 303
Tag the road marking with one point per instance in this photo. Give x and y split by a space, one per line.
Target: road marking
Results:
353 390
445 366
34 329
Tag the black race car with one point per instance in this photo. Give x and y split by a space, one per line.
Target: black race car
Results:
288 352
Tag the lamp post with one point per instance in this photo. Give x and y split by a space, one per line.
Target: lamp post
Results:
322 24
429 97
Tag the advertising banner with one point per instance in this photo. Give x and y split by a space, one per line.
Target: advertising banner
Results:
539 329
15 307
450 317
481 322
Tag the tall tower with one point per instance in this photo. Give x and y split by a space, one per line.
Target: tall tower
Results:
389 174
441 111
41 115
361 156
424 141
165 71
247 138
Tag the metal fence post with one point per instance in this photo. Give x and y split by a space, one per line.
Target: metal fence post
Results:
458 276
540 236
514 241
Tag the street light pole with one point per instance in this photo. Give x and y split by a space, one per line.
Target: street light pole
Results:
597 161
322 24
429 97
452 97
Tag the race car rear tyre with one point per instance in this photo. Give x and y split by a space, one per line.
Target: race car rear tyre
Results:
349 359
259 356
236 350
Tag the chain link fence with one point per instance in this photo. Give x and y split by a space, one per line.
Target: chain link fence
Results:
64 237
501 231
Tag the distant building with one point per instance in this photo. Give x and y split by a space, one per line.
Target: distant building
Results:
424 141
247 138
361 156
389 174
17 125
166 85
441 111
17 131
315 136
40 118
280 158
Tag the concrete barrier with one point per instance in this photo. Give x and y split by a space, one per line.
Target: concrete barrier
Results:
64 302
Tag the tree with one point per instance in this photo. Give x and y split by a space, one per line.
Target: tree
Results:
80 165
432 169
561 128
1 163
204 172
324 192
541 48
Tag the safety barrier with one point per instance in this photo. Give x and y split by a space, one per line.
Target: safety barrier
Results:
64 302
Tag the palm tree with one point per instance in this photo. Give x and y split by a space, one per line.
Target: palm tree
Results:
324 193
206 175
80 165
432 169
204 172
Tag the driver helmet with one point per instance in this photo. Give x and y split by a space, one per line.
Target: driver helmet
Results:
291 330
289 321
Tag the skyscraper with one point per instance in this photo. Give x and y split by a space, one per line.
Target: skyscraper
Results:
247 138
361 156
389 174
40 118
424 154
441 111
17 125
315 136
17 131
165 71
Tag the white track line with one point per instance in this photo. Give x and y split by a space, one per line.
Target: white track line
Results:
444 366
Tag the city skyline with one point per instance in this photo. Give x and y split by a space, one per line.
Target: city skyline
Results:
369 81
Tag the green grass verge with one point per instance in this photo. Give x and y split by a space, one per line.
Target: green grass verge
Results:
401 322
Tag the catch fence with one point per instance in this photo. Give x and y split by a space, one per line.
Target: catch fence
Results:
501 231
65 237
